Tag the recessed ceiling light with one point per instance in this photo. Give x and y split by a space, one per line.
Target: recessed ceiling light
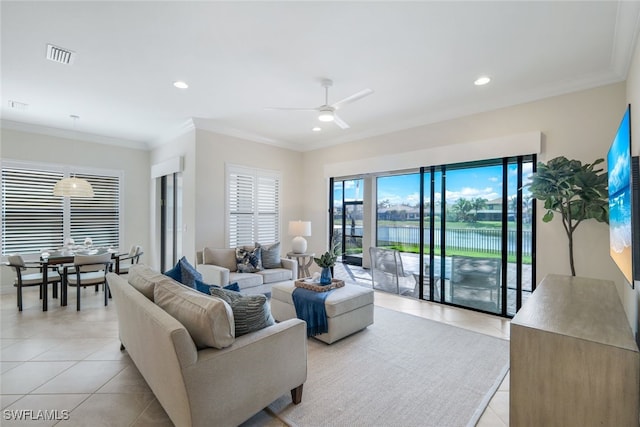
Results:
480 81
180 84
316 129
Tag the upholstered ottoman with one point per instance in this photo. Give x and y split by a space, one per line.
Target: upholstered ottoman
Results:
349 309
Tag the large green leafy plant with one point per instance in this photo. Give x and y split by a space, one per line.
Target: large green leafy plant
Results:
575 191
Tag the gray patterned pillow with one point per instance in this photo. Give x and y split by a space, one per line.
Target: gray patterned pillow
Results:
270 255
250 312
249 260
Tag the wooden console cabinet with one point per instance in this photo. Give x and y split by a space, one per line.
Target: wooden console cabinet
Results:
574 361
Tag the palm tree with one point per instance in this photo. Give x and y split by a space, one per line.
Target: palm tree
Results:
462 207
477 204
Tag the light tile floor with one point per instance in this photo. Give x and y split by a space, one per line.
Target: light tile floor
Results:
70 362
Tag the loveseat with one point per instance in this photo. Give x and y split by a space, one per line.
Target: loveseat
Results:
221 383
221 267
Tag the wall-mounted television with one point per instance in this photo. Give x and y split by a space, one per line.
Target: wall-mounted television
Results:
624 203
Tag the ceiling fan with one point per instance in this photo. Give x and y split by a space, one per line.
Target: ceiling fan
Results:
327 112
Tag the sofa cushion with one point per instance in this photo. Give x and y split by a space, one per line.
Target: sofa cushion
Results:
221 257
246 280
208 320
248 260
189 274
250 312
275 275
270 255
144 279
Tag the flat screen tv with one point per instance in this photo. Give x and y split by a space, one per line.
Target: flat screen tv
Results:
623 202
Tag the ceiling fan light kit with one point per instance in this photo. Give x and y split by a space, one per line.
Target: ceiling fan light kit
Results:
327 112
325 115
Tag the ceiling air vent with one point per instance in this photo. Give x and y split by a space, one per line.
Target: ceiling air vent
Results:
61 55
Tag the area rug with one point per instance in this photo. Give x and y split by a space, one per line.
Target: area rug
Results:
401 371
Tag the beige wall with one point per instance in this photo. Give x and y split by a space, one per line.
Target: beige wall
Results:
17 145
579 125
214 151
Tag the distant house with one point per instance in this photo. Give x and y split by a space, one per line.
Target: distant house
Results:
399 213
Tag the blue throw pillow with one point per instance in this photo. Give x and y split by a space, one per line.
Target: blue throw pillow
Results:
232 287
205 288
189 273
175 273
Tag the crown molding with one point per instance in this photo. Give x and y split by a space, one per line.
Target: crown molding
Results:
71 134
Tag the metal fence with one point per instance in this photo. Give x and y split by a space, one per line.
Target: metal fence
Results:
487 240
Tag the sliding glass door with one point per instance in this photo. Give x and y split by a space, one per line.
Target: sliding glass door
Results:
464 232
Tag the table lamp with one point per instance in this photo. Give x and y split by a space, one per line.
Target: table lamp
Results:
299 229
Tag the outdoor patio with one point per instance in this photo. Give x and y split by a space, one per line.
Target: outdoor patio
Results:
362 276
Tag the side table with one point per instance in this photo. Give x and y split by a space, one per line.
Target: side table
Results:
304 262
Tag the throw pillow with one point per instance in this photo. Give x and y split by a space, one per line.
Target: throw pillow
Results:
270 255
250 312
204 287
175 273
249 261
208 320
188 273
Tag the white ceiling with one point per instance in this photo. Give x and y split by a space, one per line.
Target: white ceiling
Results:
420 58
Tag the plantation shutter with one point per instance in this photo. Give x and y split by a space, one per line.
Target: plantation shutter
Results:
268 207
253 201
241 209
32 217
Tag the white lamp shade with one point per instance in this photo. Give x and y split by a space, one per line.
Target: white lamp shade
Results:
73 187
300 228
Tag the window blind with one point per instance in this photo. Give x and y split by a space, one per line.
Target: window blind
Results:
34 219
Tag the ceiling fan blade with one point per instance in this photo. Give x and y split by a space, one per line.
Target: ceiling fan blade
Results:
352 98
337 120
290 109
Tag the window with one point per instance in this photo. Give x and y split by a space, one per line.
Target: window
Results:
34 219
253 204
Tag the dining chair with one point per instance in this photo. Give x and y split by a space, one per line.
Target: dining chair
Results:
90 270
132 258
31 279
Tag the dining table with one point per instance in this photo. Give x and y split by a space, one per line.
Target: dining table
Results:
63 258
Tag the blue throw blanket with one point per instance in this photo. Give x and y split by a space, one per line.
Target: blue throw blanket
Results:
310 308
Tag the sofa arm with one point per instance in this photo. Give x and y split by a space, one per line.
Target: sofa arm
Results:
290 264
227 386
214 274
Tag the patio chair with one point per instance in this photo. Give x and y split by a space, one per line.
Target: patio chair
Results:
387 272
90 270
472 276
31 279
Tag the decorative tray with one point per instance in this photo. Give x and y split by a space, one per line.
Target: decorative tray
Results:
317 287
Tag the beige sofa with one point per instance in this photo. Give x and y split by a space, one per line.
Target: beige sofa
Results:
219 267
205 386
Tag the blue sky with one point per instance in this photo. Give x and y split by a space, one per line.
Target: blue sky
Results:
485 182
